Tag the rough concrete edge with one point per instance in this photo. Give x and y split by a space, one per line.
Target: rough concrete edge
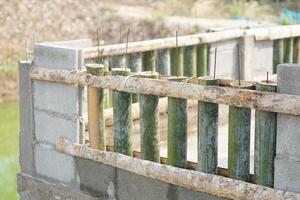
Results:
27 134
25 182
192 180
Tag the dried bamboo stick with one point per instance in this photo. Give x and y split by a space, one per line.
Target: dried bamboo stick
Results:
272 102
193 180
266 33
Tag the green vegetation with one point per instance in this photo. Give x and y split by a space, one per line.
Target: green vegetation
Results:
9 151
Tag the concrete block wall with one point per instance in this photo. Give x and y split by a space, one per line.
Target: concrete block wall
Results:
50 110
287 161
256 58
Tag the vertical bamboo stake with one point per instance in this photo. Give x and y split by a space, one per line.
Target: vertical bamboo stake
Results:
96 110
177 129
239 139
189 61
208 132
122 120
135 64
202 60
147 61
163 62
149 116
296 52
288 50
265 140
277 54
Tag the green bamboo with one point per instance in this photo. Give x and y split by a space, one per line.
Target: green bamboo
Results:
288 50
277 54
239 140
122 120
208 132
149 117
117 61
189 61
177 130
134 62
296 52
96 119
175 62
265 141
148 61
163 62
202 60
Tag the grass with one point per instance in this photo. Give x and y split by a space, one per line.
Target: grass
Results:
9 149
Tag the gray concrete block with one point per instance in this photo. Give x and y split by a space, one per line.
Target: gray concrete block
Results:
288 79
262 59
226 59
288 135
56 97
55 57
185 194
95 177
51 164
31 188
50 126
26 119
80 43
287 174
134 187
287 163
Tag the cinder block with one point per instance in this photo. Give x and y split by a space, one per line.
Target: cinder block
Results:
95 177
262 59
50 126
81 43
185 194
288 79
226 59
287 163
55 57
287 174
134 187
288 135
56 97
51 164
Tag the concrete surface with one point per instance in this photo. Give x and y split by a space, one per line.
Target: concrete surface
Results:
287 162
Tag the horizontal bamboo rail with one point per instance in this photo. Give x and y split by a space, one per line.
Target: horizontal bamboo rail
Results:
269 33
272 102
194 180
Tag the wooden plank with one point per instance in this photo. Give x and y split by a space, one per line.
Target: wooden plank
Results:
266 33
272 102
192 180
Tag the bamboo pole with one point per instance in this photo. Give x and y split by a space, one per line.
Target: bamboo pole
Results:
296 52
288 50
265 140
163 62
177 129
96 125
196 181
266 33
175 62
122 125
149 119
239 140
277 54
147 61
134 62
208 132
189 61
202 60
272 102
